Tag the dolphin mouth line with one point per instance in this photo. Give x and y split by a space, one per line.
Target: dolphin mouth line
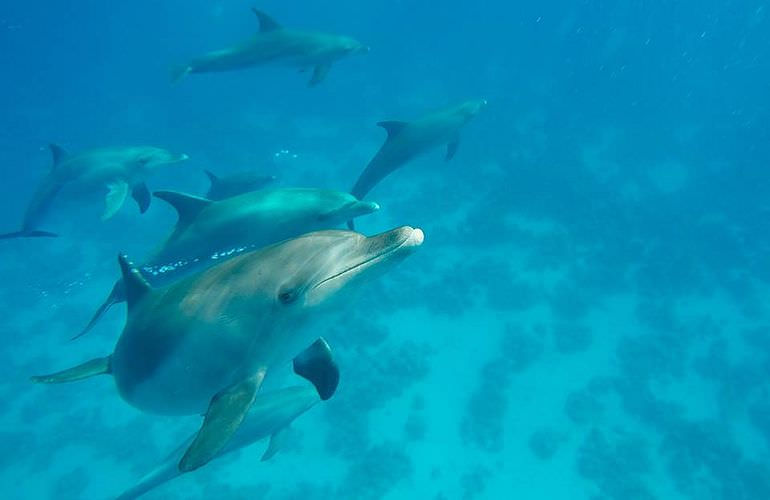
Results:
373 258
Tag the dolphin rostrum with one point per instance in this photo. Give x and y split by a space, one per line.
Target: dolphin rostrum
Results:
221 187
407 140
270 416
120 170
276 45
210 339
209 231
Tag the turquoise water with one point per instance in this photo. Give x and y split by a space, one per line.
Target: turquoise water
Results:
587 315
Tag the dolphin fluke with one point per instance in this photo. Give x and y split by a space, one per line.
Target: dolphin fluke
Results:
28 234
117 295
98 366
225 414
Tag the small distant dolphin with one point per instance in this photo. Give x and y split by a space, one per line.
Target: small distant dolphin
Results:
270 415
210 339
407 140
120 170
222 187
208 231
278 46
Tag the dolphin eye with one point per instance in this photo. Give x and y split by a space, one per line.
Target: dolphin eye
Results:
287 296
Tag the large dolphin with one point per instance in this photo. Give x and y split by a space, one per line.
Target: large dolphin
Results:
208 231
227 186
270 416
276 45
118 170
210 339
407 140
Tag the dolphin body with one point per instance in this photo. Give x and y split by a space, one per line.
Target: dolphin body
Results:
276 45
209 231
121 170
221 187
407 140
270 416
210 339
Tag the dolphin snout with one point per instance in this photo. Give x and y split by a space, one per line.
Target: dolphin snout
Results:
416 238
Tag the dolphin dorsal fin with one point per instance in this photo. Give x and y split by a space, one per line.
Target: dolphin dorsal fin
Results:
266 23
392 127
134 284
213 178
58 154
187 206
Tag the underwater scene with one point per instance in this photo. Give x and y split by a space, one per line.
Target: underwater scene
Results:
385 250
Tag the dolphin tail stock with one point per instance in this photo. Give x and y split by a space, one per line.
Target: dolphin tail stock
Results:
179 72
24 233
117 295
97 366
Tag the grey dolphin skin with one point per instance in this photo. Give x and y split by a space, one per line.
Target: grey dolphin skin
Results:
270 416
208 231
210 339
276 45
222 187
118 170
407 140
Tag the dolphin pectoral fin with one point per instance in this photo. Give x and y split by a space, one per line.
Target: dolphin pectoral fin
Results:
58 154
266 23
116 196
351 225
317 365
451 148
141 195
319 73
98 366
277 441
28 234
225 414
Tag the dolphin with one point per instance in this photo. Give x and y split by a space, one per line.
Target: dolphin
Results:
121 170
407 140
276 45
234 184
210 339
208 231
270 416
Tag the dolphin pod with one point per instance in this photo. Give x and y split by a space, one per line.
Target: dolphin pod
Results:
205 343
247 275
276 45
407 140
118 170
207 230
270 416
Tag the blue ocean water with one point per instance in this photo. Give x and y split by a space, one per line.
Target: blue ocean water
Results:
587 316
